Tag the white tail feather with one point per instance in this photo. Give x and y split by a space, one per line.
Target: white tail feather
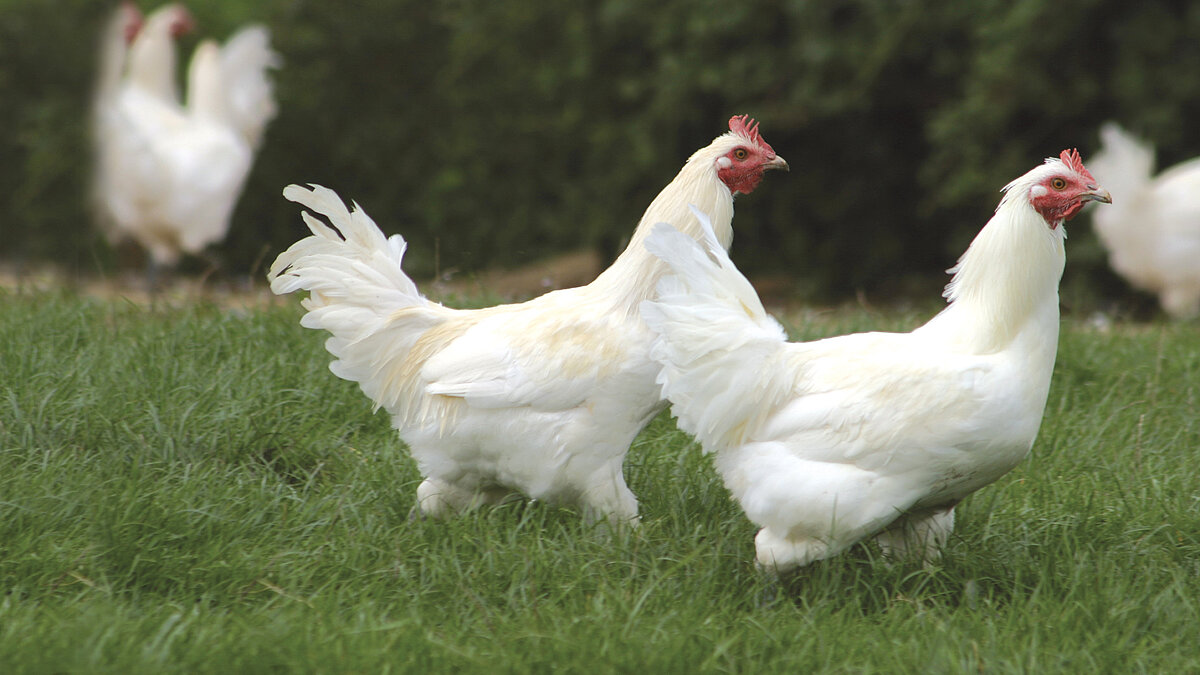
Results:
358 292
718 347
245 59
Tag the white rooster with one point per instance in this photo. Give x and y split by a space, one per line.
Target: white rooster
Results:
826 443
542 397
168 175
1152 232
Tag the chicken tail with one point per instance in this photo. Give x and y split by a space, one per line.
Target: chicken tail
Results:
245 59
358 292
718 347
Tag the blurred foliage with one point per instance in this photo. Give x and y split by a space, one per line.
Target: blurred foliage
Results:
493 133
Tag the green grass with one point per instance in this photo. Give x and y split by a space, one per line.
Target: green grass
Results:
191 490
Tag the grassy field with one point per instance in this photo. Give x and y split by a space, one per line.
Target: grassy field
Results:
191 490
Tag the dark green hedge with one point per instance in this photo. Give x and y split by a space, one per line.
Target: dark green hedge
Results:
505 131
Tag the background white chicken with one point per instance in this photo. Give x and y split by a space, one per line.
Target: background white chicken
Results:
1152 231
168 175
542 397
828 442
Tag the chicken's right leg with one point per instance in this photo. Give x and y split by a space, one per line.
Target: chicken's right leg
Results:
440 499
780 554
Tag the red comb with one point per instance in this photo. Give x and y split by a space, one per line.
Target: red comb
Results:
744 125
182 23
132 20
1075 163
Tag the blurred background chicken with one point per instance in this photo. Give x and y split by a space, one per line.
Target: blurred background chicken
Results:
1152 230
169 172
880 435
542 397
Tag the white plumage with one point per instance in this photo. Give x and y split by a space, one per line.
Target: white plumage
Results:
826 443
1152 231
169 174
542 397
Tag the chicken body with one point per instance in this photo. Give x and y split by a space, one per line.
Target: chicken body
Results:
1152 231
541 398
828 442
168 175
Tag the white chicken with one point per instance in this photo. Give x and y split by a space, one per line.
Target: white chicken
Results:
168 175
1152 232
826 443
542 397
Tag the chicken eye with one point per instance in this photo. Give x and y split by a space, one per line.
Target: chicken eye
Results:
740 154
1058 183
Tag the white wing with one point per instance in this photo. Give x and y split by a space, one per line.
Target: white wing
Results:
871 398
548 354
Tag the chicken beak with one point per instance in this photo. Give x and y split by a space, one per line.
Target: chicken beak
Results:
1095 194
777 162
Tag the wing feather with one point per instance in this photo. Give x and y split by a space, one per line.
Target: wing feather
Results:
864 398
548 360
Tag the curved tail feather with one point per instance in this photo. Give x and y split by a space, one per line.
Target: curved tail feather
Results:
718 348
245 59
360 294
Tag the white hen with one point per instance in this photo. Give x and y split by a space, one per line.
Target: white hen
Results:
828 442
542 397
168 175
1152 232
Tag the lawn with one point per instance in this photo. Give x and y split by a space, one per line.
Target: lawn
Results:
191 490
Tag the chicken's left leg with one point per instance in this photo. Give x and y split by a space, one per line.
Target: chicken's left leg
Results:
608 497
917 536
1181 302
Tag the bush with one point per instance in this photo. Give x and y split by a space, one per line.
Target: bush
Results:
495 133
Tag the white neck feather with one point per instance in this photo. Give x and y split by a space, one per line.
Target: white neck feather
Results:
113 50
152 59
635 273
1125 166
1007 281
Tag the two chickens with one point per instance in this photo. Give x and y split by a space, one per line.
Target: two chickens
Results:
824 443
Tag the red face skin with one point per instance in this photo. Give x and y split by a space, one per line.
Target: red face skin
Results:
746 164
1061 196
